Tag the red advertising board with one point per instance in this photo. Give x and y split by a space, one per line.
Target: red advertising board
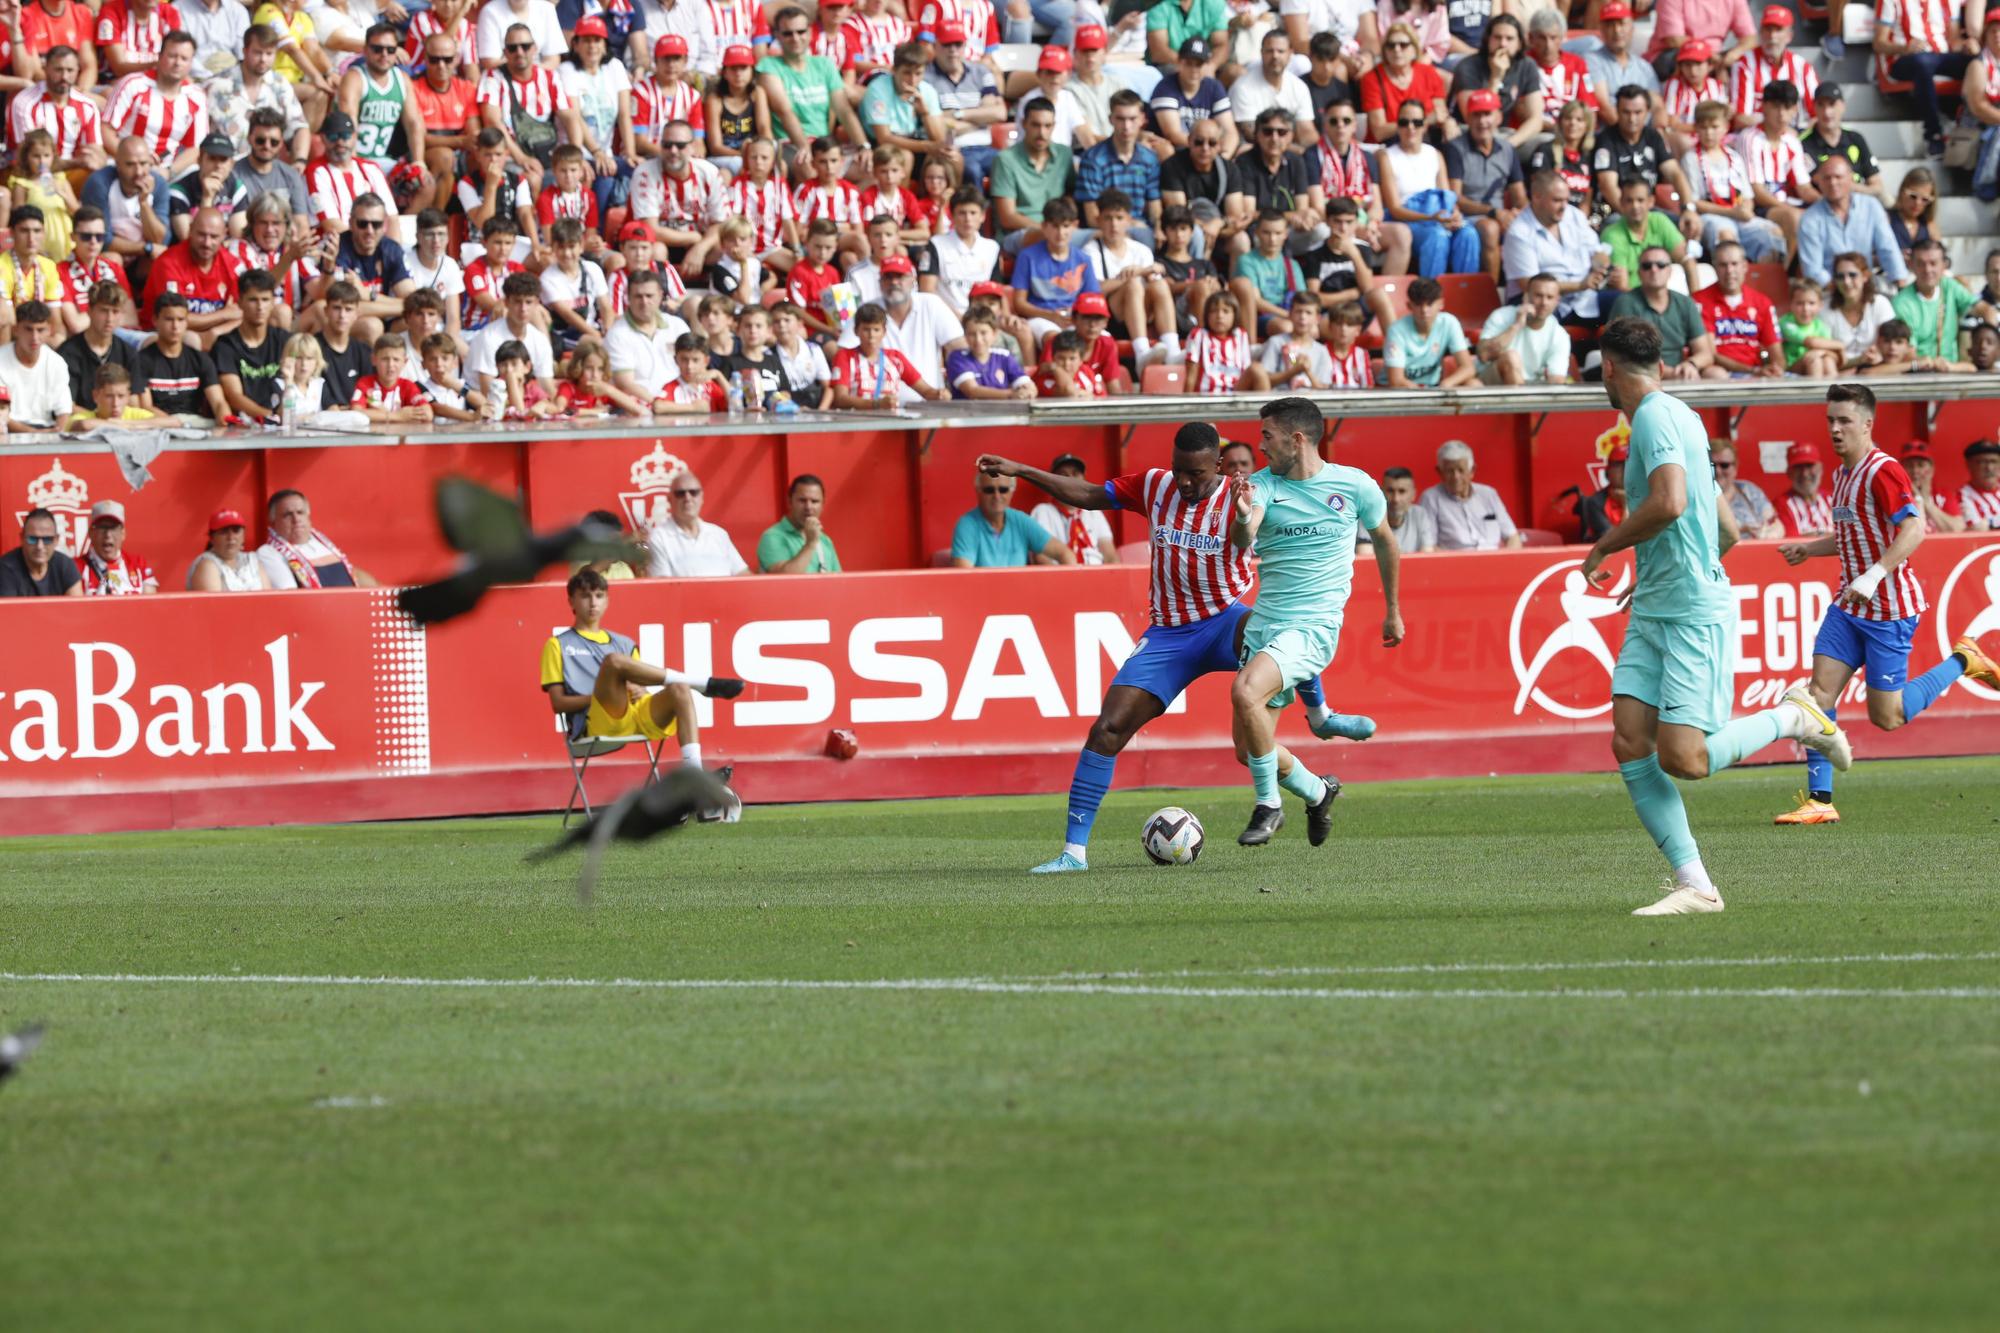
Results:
259 708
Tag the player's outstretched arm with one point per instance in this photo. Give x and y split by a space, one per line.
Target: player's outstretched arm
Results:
1389 563
1665 502
1797 553
1076 492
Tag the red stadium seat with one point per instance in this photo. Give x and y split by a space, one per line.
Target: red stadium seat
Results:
1005 134
614 222
1397 290
1542 537
1158 379
1470 296
1770 279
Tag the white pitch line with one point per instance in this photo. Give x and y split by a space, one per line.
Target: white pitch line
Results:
1438 969
989 986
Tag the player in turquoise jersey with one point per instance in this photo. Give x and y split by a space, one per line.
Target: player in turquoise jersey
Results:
1300 513
1671 690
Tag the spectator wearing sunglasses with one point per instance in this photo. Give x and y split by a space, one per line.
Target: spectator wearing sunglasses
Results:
688 547
264 170
995 535
36 568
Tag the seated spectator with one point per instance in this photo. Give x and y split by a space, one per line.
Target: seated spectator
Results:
59 52
211 182
28 275
867 376
806 368
443 381
697 387
297 555
1416 191
1941 512
1915 209
1983 348
1636 227
1270 177
1772 61
1525 344
1569 155
1920 45
1805 511
134 197
1511 82
1692 86
1192 280
248 357
797 543
1196 178
994 535
1779 170
388 396
116 406
1400 78
1844 222
99 344
519 393
520 293
1809 347
87 267
1468 515
1981 88
225 565
1552 237
1218 353
1350 367
1756 518
1296 359
1068 373
1979 498
1686 347
1632 147
1614 64
1855 311
526 101
1239 460
1415 346
1124 164
1100 349
1134 285
1566 77
686 546
586 389
1051 273
921 326
180 378
1677 22
1411 523
980 370
1266 278
264 170
756 364
1604 510
1740 319
1086 532
901 110
968 98
38 186
36 568
1270 83
1029 176
35 377
339 178
642 341
1484 171
1828 137
577 297
1934 305
202 275
955 258
108 569
1893 355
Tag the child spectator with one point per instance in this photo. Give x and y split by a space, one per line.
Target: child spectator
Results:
1348 359
698 389
1065 374
568 194
993 298
484 275
865 375
737 272
759 195
586 389
806 284
1191 281
717 316
958 257
1295 360
116 403
828 197
35 183
1810 349
518 391
388 395
1266 277
804 361
756 364
1049 275
1100 349
979 370
180 378
1218 352
450 397
423 315
573 288
890 196
1134 282
1414 348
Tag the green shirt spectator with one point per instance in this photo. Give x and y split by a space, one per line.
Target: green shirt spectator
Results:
1934 322
1626 247
1014 177
1275 279
784 541
1794 334
1182 19
1680 324
810 90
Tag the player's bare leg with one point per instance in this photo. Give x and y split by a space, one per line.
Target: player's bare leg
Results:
1125 710
1254 728
1638 742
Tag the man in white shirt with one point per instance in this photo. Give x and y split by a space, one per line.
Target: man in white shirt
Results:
691 21
1525 344
1469 516
37 380
538 16
641 342
684 547
921 326
520 295
1085 531
1273 84
217 27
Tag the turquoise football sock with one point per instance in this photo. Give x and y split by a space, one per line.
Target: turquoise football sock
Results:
1658 802
1264 776
1741 739
1302 782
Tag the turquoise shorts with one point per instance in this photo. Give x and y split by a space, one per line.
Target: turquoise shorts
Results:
1301 652
1688 672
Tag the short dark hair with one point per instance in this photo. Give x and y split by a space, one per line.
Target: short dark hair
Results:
1062 208
524 284
804 479
257 280
1069 340
966 195
35 513
1398 474
1114 201
645 277
871 314
512 350
163 302
1125 97
25 213
586 580
431 218
1297 415
1176 215
498 225
1244 445
423 298
1631 341
1423 291
1034 104
691 342
267 117
1895 330
343 292
1626 92
1860 395
1197 437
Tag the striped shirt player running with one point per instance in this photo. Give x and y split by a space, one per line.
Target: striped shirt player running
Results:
1300 516
1877 527
1196 599
1672 687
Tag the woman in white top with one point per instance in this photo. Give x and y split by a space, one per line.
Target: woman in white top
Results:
1854 310
1416 191
226 566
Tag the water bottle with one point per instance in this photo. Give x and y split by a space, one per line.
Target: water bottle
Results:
735 396
753 392
288 410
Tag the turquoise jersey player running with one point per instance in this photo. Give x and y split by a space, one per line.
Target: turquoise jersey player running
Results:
1301 514
1671 690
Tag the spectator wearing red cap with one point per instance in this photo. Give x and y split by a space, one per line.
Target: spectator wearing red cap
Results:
1941 512
1806 512
1071 130
1614 64
968 96
664 96
1089 83
1690 87
1605 510
1679 21
977 22
691 21
1773 59
1484 170
1981 87
921 326
226 564
738 109
1979 498
108 569
1919 42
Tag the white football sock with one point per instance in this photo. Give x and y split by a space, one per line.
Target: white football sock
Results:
1694 876
1078 850
1317 712
691 756
1793 721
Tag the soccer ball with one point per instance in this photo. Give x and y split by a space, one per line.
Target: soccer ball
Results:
1172 837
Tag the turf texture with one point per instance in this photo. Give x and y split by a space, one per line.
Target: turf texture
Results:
1431 1075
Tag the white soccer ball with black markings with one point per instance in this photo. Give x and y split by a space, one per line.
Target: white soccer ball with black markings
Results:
1172 837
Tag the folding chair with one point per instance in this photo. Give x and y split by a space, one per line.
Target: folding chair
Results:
582 751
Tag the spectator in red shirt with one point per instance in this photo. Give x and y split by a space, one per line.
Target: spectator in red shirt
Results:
865 375
1742 321
199 269
1100 350
388 394
450 111
1065 374
45 26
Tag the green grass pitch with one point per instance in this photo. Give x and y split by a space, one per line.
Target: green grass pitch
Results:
1430 1076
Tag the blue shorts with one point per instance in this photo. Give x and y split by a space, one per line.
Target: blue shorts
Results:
1168 659
1883 646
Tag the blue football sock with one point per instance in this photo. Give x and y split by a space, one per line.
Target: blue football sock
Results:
1313 694
1658 802
1923 691
1819 768
1264 776
1086 793
1303 783
1741 739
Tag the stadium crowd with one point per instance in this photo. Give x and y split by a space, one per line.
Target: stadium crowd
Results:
372 215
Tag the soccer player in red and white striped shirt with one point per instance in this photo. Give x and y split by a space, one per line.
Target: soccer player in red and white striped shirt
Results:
1877 527
1773 59
164 109
71 118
